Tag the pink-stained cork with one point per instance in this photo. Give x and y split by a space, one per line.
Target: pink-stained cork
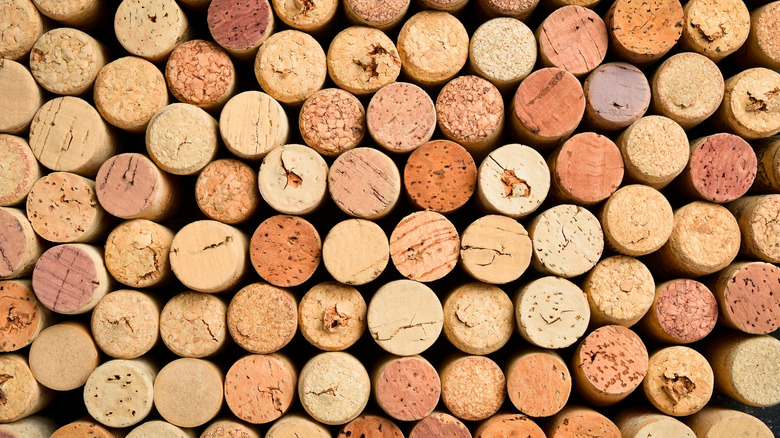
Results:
200 73
226 191
332 121
587 169
126 324
285 250
748 298
20 247
683 311
193 324
407 388
440 176
25 317
721 168
240 26
439 424
470 111
509 426
364 183
401 117
577 421
518 9
572 38
70 278
370 426
20 169
617 95
260 388
424 246
538 383
262 318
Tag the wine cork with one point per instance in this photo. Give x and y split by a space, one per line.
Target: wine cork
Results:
551 312
137 253
381 15
25 316
762 46
209 256
295 426
67 61
150 29
470 111
478 318
768 174
262 318
620 291
747 298
160 429
433 46
183 381
547 107
67 134
71 278
240 26
519 10
577 421
293 179
538 382
617 95
679 381
284 53
252 124
721 168
641 33
119 393
439 424
182 139
572 38
200 73
451 6
72 13
404 317
332 316
332 121
20 169
586 169
751 103
756 217
641 422
22 94
440 176
85 427
36 426
745 367
715 28
285 250
362 59
306 16
194 324
718 422
513 181
63 356
21 28
229 429
370 426
609 364
364 183
355 252
637 220
655 150
406 388
472 387
259 388
334 387
683 311
401 117
503 425
495 249
226 191
424 246
19 245
126 324
503 51
22 395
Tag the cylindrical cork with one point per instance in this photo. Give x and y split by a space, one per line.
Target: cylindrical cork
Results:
406 388
22 98
194 324
715 28
513 181
355 251
137 253
332 316
472 387
364 183
382 15
226 191
72 13
22 26
440 176
36 426
184 381
296 426
160 429
451 6
252 124
119 393
747 295
586 169
22 395
721 168
551 312
209 256
745 367
470 111
538 382
495 249
150 29
577 421
439 424
643 32
230 429
306 16
401 117
71 278
405 317
262 318
332 121
362 60
679 381
240 26
260 388
478 318
334 387
655 150
200 73
284 53
503 51
768 175
126 324
758 220
90 428
762 44
370 426
509 425
293 179
751 103
683 311
718 422
19 244
637 220
67 61
285 250
20 169
609 364
572 38
641 422
518 9
617 95
63 356
25 316
424 246
182 139
620 291
433 46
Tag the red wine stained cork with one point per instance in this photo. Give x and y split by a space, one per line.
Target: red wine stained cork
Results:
495 249
284 53
508 425
334 387
67 61
296 426
22 395
747 295
226 191
262 318
188 392
655 150
194 324
401 117
683 311
137 253
253 123
209 256
406 388
503 51
745 367
641 422
382 15
119 393
751 103
715 28
513 181
200 73
36 426
285 250
126 324
451 6
22 97
131 186
150 29
551 312
332 316
617 95
22 26
757 218
679 381
578 421
355 252
636 220
470 111
229 429
182 139
240 26
620 291
433 46
440 176
718 422
20 169
538 382
25 316
472 387
424 246
439 424
370 426
260 388
19 245
362 59
763 47
721 168
160 429
63 356
71 278
609 364
307 16
332 121
643 32
586 169
405 317
72 13
572 38
364 183
293 179
86 427
768 175
478 318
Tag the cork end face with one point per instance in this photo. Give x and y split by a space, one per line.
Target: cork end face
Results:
539 384
751 298
513 181
620 291
509 425
332 121
588 168
551 312
194 60
476 100
408 389
503 51
478 318
226 190
752 103
19 391
24 317
293 179
495 249
334 388
613 360
306 15
705 238
439 424
424 246
150 29
376 14
285 52
549 104
27 23
66 279
433 47
637 220
362 60
763 225
573 38
18 244
63 369
618 94
687 88
761 386
440 176
66 61
568 241
645 31
126 324
119 393
768 20
679 381
370 425
655 150
182 139
240 25
722 168
364 183
332 316
401 117
356 251
83 428
686 310
137 253
182 381
260 389
582 422
274 306
285 250
252 124
716 28
193 337
19 108
473 388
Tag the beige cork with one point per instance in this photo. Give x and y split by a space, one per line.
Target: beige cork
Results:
19 244
285 250
751 103
260 388
721 168
182 139
586 169
291 66
683 311
240 26
642 422
334 387
36 426
538 382
401 117
439 424
332 316
472 387
768 174
252 124
194 324
470 111
355 252
200 73
590 4
636 220
746 293
188 392
620 291
508 425
478 318
119 393
433 46
86 427
655 150
495 249
551 312
25 315
21 394
758 220
518 9
67 61
617 94
226 191
137 253
151 29
679 381
293 179
332 121
296 426
405 317
747 367
63 356
71 278
719 422
362 59
230 429
73 13
126 324
20 170
643 32
262 318
372 426
579 421
424 246
440 176
22 98
503 51
383 15
451 6
160 429
21 27
406 388
209 256
364 183
306 15
572 38
763 47
715 28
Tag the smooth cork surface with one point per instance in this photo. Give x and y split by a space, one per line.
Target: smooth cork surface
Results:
262 318
332 121
362 59
424 246
620 291
513 181
617 95
252 124
194 324
226 190
470 111
150 38
240 26
433 46
718 422
768 175
293 179
495 249
683 311
439 424
260 388
478 318
637 220
67 61
577 421
160 429
679 381
572 38
746 367
22 395
83 428
334 387
655 150
126 324
758 220
721 168
503 51
371 426
715 28
382 15
751 103
35 426
22 94
538 382
229 429
747 295
25 316
551 312
586 169
642 32
119 393
295 426
21 19
364 183
472 387
19 244
401 117
509 425
440 176
332 316
355 251
137 253
285 250
284 53
184 381
306 16
182 139
762 45
63 356
406 388
20 169
200 73
71 278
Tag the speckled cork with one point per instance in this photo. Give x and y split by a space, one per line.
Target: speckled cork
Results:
440 176
20 169
642 422
260 388
284 53
73 13
63 356
495 249
433 46
262 318
182 139
21 28
364 183
285 250
637 220
586 169
478 318
297 425
307 16
362 59
334 387
617 95
470 111
655 150
745 367
512 181
503 51
355 251
228 428
721 168
715 28
751 103
643 32
240 26
538 382
332 121
679 381
36 426
439 424
332 316
126 324
620 291
508 425
577 421
293 179
683 311
451 6
85 427
22 394
518 9
252 124
401 117
370 426
719 422
762 44
572 38
746 293
382 15
768 174
67 61
20 246
25 316
226 191
153 39
591 4
424 246
137 253
194 324
472 387
551 312
71 278
160 429
183 381
22 99
406 388
119 393
756 216
200 73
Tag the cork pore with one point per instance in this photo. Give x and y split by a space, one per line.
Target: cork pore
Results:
440 175
751 298
285 250
723 167
401 116
613 359
408 389
686 310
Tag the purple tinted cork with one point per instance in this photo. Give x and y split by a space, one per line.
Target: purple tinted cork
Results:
401 117
131 186
617 94
70 278
240 26
407 388
438 425
721 168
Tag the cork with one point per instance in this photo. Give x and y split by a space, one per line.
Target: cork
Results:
260 388
381 15
478 318
715 29
520 10
71 278
472 387
262 318
183 381
620 291
512 181
240 26
576 421
406 388
470 111
362 59
252 124
433 46
751 103
642 32
538 382
439 424
137 253
609 364
20 169
119 393
756 217
683 311
332 316
22 99
641 422
745 367
306 16
285 52
85 427
451 6
20 246
151 29
200 73
209 256
370 426
586 169
747 298
226 191
72 13
503 425
194 324
25 315
617 95
67 61
364 183
229 429
768 174
721 168
160 429
293 179
67 134
637 220
295 426
285 250
440 176
572 38
21 394
126 324
719 422
401 117
332 121
590 4
495 249
503 51
334 387
36 426
551 312
355 251
182 138
63 356
21 28
761 46
424 246
679 381
405 317
655 150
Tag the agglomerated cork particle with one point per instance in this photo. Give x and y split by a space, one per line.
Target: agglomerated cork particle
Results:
751 103
332 316
295 426
401 117
22 394
746 293
679 381
495 249
472 387
36 426
762 44
63 356
683 311
759 221
252 124
470 111
424 246
643 32
719 422
503 51
290 66
439 424
25 315
644 422
119 393
370 425
746 367
407 388
362 59
637 220
260 388
226 191
551 312
183 381
440 176
262 318
20 245
182 139
715 29
381 15
150 29
334 387
126 324
478 318
721 168
293 179
240 26
332 121
538 383
285 250
768 174
137 253
687 88
355 251
22 26
22 94
576 421
617 95
655 150
200 73
586 169
307 15
572 38
433 46
503 425
229 429
85 428
513 181
519 9
364 183
67 61
194 324
620 291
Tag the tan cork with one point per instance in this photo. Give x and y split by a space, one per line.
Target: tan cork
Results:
36 426
63 356
332 316
637 220
285 250
590 4
332 121
20 246
119 393
334 387
183 381
439 424
25 315
758 221
679 381
151 29
260 388
383 15
284 53
308 16
137 253
643 422
86 427
495 249
424 246
364 183
372 426
182 139
355 251
71 278
715 28
472 387
240 26
578 421
160 429
721 168
617 95
297 425
518 9
768 174
226 191
478 318
23 24
22 98
655 150
508 425
200 73
362 59
252 124
406 388
73 13
746 293
451 6
194 324
538 382
572 38
751 103
503 51
67 61
620 291
470 111
293 179
401 117
586 169
126 324
22 395
229 429
643 32
433 46
551 312
719 422
20 170
440 176
683 311
762 45
262 318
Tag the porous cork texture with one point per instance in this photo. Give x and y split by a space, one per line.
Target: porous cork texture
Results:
719 422
137 253
509 425
70 278
226 191
503 51
371 425
362 59
513 181
262 318
285 250
470 111
617 95
183 381
295 426
131 186
332 316
240 26
551 312
182 139
644 422
715 28
355 251
150 29
194 324
407 388
453 6
75 13
439 424
519 9
747 368
19 244
655 150
293 179
290 66
334 387
637 220
252 124
620 291
687 88
84 428
586 169
424 246
572 38
126 324
308 16
768 176
643 32
364 183
759 221
22 394
22 94
440 176
751 103
25 316
721 168
67 61
683 311
129 92
229 429
762 45
473 387
23 25
36 426
382 15
119 393
260 388
679 381
746 293
200 73
63 356
538 383
576 421
401 117
433 47
478 318
159 429
332 121
495 249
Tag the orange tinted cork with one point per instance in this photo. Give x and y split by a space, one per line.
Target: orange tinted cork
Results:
721 168
508 425
226 191
364 183
260 388
262 318
578 421
85 428
538 383
332 121
25 315
20 246
401 117
683 311
643 32
183 381
21 170
23 96
370 426
470 111
332 316
200 73
193 324
406 388
440 176
439 424
126 324
240 26
424 246
586 170
285 250
572 38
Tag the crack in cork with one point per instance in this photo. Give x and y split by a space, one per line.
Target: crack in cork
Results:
758 104
421 325
227 240
293 178
677 387
333 319
4 378
512 182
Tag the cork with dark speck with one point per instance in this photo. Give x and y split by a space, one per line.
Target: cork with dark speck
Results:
260 388
721 168
407 388
440 176
285 250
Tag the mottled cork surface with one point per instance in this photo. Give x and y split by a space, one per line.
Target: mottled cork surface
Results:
284 52
370 426
620 291
470 111
679 381
23 20
424 246
137 253
478 318
362 59
580 421
642 32
182 138
21 169
66 61
759 221
119 393
364 183
401 117
285 250
150 39
637 220
193 324
293 179
538 383
226 190
126 324
240 25
655 150
715 28
573 38
473 388
229 429
22 394
722 167
334 387
25 316
63 207
687 88
718 422
440 176
306 16
19 244
747 293
376 14
262 318
83 428
332 121
332 316
551 312
407 388
509 425
296 426
433 47
63 356
503 51
259 388
751 103
199 72
685 310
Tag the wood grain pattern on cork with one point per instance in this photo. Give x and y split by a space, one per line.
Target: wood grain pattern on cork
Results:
306 16
252 124
637 220
472 387
642 32
620 291
746 293
22 26
71 278
285 250
260 388
119 393
440 176
683 311
240 26
751 103
433 46
745 367
200 73
679 381
576 421
508 425
35 426
334 387
63 356
617 95
25 315
20 169
642 422
721 168
22 394
183 381
151 38
383 15
293 179
551 312
228 428
332 316
19 245
439 424
160 429
719 422
182 139
401 117
226 190
262 318
655 150
370 426
715 28
586 169
137 253
126 324
762 45
478 318
503 51
86 427
194 324
424 246
362 59
332 121
22 99
406 388
470 111
495 249
364 183
355 251
758 218
538 382
687 88
768 174
572 38
67 61
284 53
73 13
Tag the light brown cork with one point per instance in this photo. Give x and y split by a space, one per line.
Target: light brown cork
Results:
762 45
86 427
751 103
508 425
293 179
433 46
285 250
643 32
768 174
503 51
478 318
679 381
715 28
126 324
746 293
620 291
73 13
260 388
21 27
332 316
370 426
495 249
67 61
637 220
262 318
290 66
451 6
334 387
71 278
401 117
655 150
182 139
240 26
181 383
759 221
194 324
151 29
226 191
683 311
119 393
406 388
364 183
518 9
297 425
551 312
572 38
137 253
538 382
719 422
439 424
586 169
160 429
22 98
25 316
355 251
747 367
308 16
332 121
362 59
617 94
643 422
22 395
440 176
20 170
19 244
472 387
200 73
381 15
63 356
230 429
721 168
252 124
591 4
577 421
424 246
470 111
36 426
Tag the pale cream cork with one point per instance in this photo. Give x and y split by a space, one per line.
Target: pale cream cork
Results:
36 426
200 73
120 393
551 312
362 59
181 383
503 51
433 46
758 220
151 29
381 15
364 183
719 422
721 168
751 103
262 318
424 246
355 251
768 173
332 121
655 150
63 356
472 387
20 246
406 388
71 278
620 291
229 429
334 387
306 15
401 117
285 250
683 311
747 298
495 249
572 38
25 315
637 220
763 47
260 388
182 139
643 32
21 27
126 324
293 179
226 190
21 393
470 111
538 382
290 66
478 318
503 425
67 61
679 381
73 13
715 28
405 317
20 170
137 253
252 124
86 426
451 6
576 421
22 97
194 324
160 429
332 316
297 425
642 422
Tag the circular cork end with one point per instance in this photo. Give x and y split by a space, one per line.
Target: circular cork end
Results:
59 368
513 181
679 381
509 425
758 220
512 8
70 278
150 29
439 424
433 47
159 429
21 393
285 250
193 324
382 15
362 60
646 422
182 139
370 425
19 244
23 96
262 318
722 167
643 32
405 317
200 73
226 191
715 29
762 39
407 388
137 253
71 12
685 311
687 88
617 95
453 6
495 249
655 150
440 176
637 220
503 51
306 16
84 428
332 121
768 177
295 426
620 291
364 183
548 105
240 26
332 316
574 39
748 298
126 324
20 169
538 383
252 124
716 422
478 318
25 316
551 312
66 61
293 179
751 103
119 393
259 388
470 111
577 421
473 387
424 246
401 117
587 169
355 251
36 426
25 23
180 383
63 207
131 186
751 371
334 387
229 429
283 53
